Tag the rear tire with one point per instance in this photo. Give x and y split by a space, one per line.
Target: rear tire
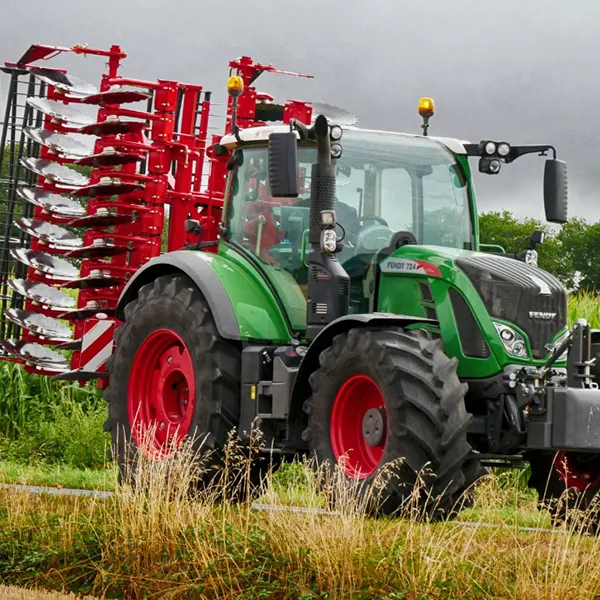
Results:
171 365
423 412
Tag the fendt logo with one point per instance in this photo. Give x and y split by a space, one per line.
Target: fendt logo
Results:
544 316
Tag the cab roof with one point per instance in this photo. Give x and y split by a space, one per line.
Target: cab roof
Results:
261 134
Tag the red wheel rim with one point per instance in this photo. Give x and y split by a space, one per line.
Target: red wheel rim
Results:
575 475
162 393
357 395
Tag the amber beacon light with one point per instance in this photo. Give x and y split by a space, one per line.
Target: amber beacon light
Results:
426 107
426 110
235 86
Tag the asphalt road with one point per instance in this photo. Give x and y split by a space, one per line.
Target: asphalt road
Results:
36 489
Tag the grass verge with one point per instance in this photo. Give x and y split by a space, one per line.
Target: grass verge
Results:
163 542
58 475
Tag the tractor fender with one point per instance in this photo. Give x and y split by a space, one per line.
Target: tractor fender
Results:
310 362
201 273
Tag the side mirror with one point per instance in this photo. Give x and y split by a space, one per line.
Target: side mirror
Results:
555 191
283 165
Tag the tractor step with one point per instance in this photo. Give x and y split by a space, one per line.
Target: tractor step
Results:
508 461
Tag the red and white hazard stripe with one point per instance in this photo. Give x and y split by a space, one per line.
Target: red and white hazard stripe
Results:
96 346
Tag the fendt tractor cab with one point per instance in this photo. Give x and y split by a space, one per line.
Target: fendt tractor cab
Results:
327 284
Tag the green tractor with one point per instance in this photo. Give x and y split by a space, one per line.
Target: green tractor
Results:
350 310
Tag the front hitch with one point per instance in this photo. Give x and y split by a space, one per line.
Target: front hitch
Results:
568 414
579 359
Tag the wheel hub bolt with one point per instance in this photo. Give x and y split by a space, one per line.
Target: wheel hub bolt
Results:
373 426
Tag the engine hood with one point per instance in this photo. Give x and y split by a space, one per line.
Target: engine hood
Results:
511 290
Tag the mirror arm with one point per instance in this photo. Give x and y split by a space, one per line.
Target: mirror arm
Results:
518 151
515 151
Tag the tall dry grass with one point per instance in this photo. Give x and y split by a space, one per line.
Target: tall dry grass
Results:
156 539
15 593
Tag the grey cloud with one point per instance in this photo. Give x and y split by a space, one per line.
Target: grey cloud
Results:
523 72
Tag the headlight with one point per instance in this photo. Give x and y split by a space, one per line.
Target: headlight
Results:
513 342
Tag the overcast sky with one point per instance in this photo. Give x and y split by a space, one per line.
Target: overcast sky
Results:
522 71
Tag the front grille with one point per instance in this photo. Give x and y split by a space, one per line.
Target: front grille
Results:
431 313
427 301
426 293
511 289
472 342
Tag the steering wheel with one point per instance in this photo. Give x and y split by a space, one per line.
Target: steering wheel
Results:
379 220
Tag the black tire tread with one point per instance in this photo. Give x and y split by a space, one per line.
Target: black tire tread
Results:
216 361
436 419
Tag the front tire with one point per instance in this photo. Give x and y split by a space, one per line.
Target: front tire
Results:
380 396
171 377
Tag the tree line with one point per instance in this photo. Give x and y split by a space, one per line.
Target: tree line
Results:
570 252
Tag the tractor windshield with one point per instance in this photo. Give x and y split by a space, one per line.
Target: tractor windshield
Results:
409 183
386 183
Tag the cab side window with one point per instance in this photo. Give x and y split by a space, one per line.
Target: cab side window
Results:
273 229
